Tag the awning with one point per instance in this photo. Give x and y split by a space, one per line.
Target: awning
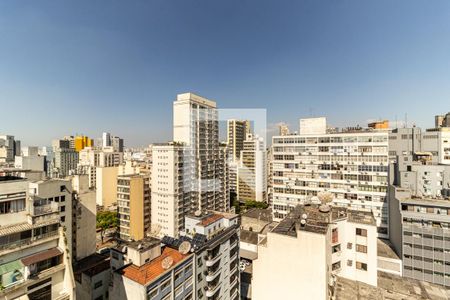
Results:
32 259
11 266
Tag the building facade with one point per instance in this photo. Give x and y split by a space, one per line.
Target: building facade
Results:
252 171
304 254
352 165
33 245
133 202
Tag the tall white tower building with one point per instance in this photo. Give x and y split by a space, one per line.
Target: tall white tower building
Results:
188 174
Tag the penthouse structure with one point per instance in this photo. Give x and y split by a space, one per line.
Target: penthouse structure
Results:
352 165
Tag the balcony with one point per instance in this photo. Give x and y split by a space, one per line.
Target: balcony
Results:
45 209
234 244
14 245
213 259
212 289
211 275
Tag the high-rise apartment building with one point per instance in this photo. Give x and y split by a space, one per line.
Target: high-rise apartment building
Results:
442 120
420 217
303 255
252 171
30 159
84 218
117 143
9 147
90 158
56 194
351 164
106 139
65 158
283 129
188 175
133 201
81 142
237 131
34 248
201 264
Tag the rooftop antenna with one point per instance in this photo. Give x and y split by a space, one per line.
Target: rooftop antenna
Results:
396 122
406 120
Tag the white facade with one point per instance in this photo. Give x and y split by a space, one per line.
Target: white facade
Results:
252 171
91 158
353 166
168 203
190 173
302 260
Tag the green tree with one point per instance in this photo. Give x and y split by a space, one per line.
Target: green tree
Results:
106 220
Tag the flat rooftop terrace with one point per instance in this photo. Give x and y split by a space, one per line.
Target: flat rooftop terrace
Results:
390 287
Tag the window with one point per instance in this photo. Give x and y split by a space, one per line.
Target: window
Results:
165 284
349 245
63 219
152 294
98 284
361 266
63 198
336 248
334 236
361 248
63 208
361 232
349 263
336 266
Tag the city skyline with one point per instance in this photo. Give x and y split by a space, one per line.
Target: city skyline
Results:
82 66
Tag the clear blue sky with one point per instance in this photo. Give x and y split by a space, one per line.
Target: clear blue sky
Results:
87 66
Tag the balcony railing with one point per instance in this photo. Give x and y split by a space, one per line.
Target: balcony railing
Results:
212 275
27 241
44 209
212 289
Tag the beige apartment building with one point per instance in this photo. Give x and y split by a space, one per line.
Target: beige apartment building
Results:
133 201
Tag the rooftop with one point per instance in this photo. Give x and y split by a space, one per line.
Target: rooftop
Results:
389 287
92 264
250 237
143 245
210 220
385 249
152 270
260 214
317 220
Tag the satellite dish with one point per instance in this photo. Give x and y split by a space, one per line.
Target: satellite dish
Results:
185 247
167 262
303 222
140 246
304 216
198 213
